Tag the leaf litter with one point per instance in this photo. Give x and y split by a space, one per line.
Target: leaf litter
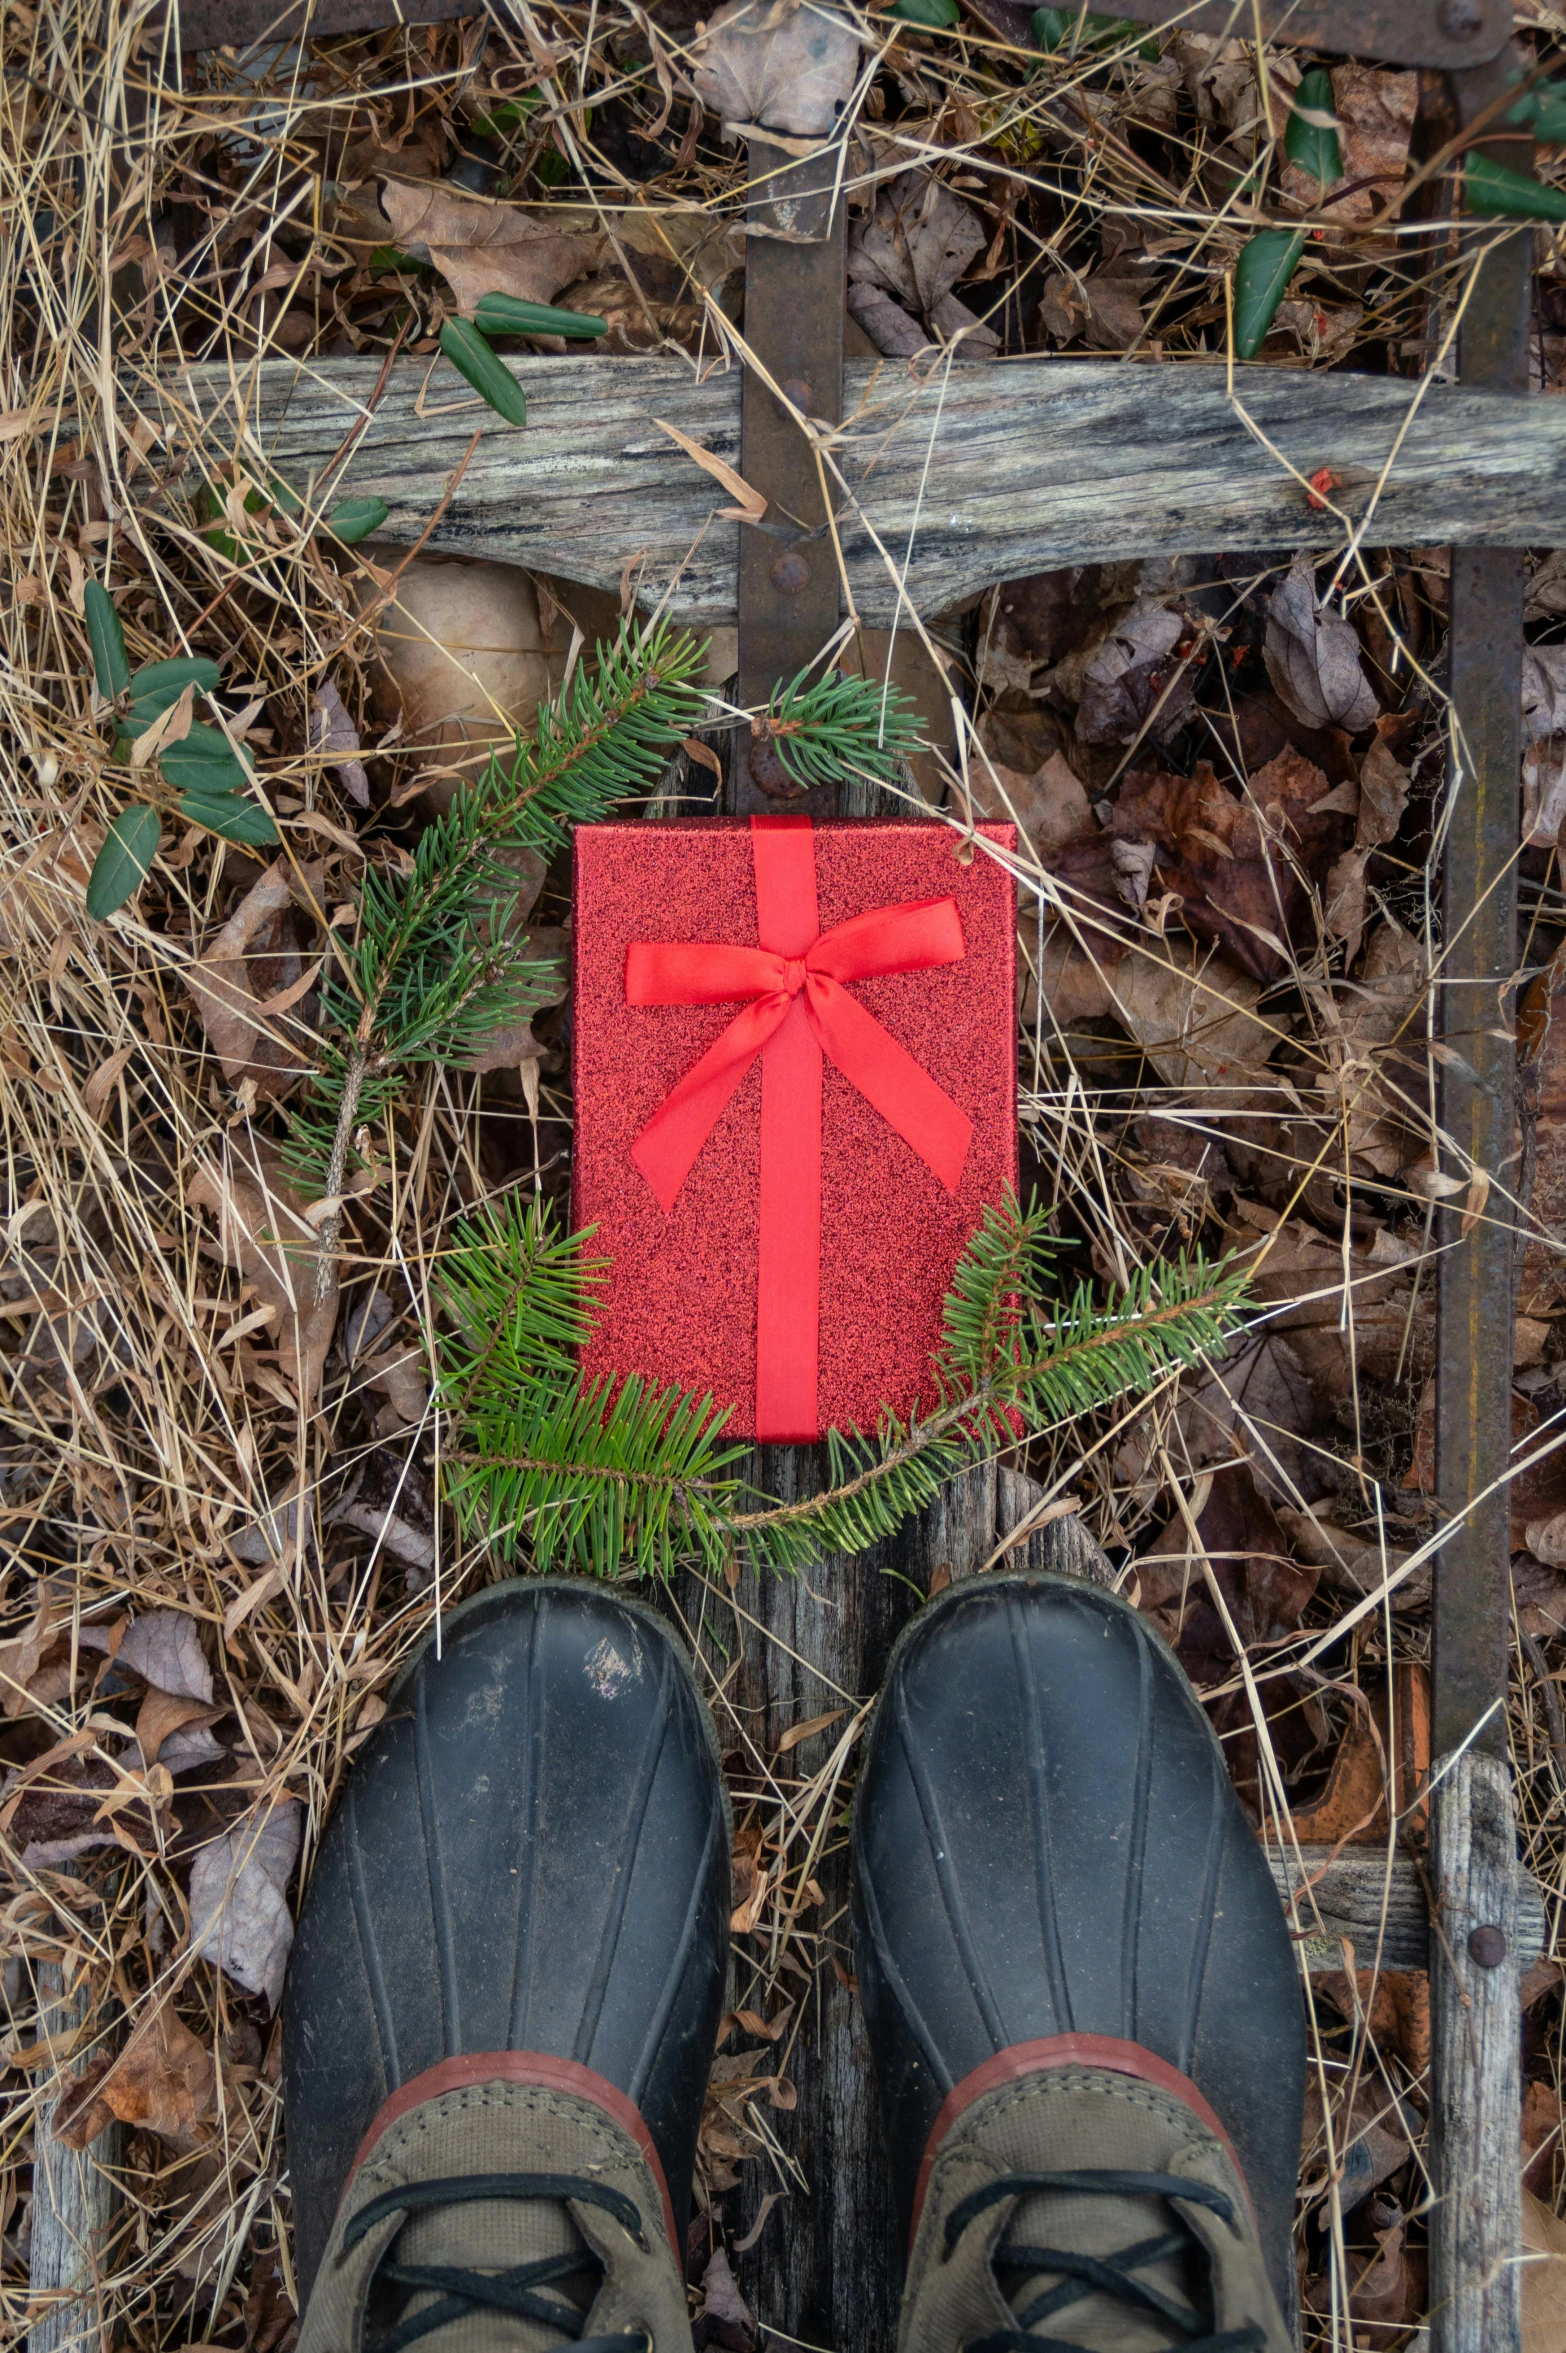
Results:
223 1526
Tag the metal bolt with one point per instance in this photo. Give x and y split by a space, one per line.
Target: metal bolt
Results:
1487 1946
797 389
1460 19
789 573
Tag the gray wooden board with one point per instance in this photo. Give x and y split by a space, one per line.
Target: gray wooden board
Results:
983 472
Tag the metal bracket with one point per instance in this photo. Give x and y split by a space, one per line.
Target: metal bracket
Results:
789 586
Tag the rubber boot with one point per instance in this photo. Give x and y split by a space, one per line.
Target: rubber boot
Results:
1079 1990
504 1994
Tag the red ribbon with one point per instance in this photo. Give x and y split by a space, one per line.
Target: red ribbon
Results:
799 1010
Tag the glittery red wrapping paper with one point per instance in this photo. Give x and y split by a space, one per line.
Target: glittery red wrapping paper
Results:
679 1304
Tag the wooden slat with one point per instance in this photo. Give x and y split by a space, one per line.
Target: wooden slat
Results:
1383 1914
995 471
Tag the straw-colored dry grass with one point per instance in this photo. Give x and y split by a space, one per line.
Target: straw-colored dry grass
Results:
158 1449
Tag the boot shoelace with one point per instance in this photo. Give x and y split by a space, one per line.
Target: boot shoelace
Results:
1084 2275
459 2290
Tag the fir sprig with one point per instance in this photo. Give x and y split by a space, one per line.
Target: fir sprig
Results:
603 1475
818 729
440 962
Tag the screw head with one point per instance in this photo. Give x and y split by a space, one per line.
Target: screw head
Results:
798 389
1460 19
1487 1946
789 573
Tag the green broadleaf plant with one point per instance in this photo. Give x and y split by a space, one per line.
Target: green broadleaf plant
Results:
1493 190
484 369
203 770
508 314
1261 280
1310 136
603 1476
120 867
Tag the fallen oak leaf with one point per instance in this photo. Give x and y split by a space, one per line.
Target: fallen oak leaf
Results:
484 248
164 2081
239 1916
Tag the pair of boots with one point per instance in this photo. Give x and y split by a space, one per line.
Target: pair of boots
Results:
1077 1983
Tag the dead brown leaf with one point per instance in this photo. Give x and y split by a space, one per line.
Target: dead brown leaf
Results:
334 734
1135 679
1051 806
164 1648
789 65
482 248
1543 2277
239 1914
262 1230
1237 865
1313 656
242 984
164 2081
21 1656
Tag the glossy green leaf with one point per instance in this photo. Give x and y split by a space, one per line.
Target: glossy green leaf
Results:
205 761
157 687
392 257
509 116
1060 28
121 865
488 374
1490 188
1313 143
232 816
936 15
356 518
1543 111
1261 279
111 664
507 314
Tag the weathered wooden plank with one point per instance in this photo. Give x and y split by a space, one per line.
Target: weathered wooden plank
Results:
1342 1895
1475 2020
989 471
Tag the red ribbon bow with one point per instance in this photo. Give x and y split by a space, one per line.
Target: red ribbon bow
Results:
799 1010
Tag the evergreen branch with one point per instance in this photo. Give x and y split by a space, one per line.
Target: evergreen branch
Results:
441 961
610 1473
817 728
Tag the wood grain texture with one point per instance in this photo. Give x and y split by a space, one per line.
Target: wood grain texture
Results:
74 2195
989 471
1475 2222
1341 1895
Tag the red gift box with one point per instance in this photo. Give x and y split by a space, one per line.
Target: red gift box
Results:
723 966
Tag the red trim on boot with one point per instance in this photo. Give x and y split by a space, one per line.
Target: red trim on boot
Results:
1065 2050
523 2067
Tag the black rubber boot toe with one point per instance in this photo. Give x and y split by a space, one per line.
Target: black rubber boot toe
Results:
1053 1873
512 1953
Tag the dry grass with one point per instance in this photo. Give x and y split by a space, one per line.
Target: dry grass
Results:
157 1449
